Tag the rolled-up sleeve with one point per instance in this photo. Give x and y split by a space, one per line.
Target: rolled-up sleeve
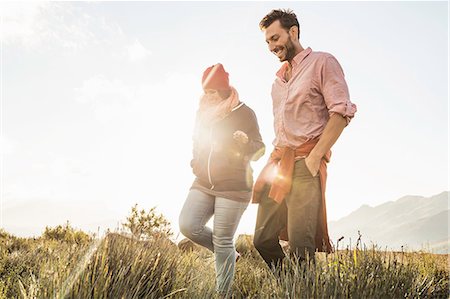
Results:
334 89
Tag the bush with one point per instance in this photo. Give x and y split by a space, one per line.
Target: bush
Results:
147 225
66 233
4 234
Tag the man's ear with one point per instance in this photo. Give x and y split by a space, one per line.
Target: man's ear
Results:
293 32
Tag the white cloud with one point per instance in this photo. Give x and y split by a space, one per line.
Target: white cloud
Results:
65 26
53 25
48 174
20 21
107 98
137 52
6 146
101 89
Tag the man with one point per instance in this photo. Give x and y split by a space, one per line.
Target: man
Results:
311 107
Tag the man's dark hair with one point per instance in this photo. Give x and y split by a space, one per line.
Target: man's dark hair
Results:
286 17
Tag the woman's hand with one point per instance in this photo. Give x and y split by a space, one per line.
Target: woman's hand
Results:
240 136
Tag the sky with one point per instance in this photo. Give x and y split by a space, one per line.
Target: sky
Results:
98 101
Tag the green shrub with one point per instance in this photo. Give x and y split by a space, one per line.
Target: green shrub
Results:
147 225
66 233
4 235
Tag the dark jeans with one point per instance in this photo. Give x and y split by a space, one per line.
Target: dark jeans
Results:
299 211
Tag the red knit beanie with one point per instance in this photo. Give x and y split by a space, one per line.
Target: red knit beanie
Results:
216 78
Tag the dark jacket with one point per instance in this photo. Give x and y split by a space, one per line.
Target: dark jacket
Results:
222 163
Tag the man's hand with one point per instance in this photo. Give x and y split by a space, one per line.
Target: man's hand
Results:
240 137
313 164
331 133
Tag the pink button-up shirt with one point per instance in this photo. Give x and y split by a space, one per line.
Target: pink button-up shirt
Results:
303 105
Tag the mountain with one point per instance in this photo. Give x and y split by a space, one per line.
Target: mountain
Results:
415 222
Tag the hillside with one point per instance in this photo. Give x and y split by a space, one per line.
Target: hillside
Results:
414 222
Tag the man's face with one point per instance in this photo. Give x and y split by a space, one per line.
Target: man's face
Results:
279 41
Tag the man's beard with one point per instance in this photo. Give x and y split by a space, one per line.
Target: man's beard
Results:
290 50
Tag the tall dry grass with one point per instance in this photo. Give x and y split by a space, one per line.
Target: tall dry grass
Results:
120 267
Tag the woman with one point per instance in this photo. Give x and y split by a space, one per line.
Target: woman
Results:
226 138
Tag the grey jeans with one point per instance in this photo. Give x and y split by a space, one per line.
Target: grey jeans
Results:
300 210
197 210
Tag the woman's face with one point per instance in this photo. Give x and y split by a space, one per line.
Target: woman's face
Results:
211 96
210 91
215 96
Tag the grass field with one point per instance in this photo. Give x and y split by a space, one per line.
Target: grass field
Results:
117 266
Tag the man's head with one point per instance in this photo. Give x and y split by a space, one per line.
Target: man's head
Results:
215 79
282 32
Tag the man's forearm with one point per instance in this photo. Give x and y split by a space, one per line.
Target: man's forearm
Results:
331 133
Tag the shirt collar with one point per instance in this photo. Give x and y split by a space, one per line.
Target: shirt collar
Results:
295 62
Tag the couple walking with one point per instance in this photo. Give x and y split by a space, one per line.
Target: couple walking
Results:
311 107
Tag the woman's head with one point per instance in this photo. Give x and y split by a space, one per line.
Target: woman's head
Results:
215 80
219 98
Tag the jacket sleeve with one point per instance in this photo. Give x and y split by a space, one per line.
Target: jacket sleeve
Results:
195 145
194 154
254 148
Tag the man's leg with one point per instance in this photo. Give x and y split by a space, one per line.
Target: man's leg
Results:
303 203
197 210
271 219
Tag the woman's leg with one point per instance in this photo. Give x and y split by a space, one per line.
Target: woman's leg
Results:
226 220
197 210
